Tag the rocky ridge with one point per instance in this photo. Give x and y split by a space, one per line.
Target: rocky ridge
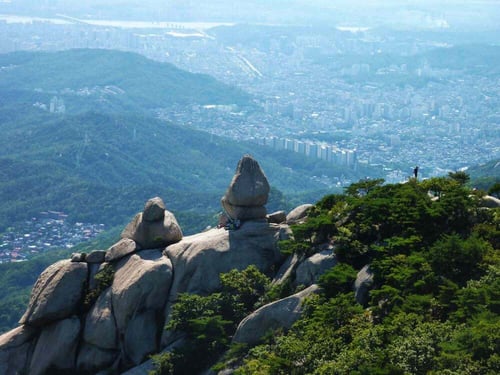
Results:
106 311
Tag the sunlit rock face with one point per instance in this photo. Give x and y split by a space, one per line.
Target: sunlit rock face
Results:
248 192
153 228
107 311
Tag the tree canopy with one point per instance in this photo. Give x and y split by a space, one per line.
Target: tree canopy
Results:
434 304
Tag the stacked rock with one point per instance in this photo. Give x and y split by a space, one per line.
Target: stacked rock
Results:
154 228
247 193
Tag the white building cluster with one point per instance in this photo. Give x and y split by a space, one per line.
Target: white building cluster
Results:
329 153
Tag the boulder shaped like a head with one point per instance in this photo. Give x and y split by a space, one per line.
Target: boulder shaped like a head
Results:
248 191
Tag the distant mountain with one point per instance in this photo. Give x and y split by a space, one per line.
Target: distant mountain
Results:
473 59
106 80
484 176
469 58
489 169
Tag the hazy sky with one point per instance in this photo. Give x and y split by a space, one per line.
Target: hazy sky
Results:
456 13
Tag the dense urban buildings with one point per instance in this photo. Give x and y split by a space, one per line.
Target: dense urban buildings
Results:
50 230
369 96
350 96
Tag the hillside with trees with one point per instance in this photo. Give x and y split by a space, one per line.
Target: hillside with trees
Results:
109 81
414 289
432 308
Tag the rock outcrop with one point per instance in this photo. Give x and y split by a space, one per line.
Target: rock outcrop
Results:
363 285
56 294
153 228
56 347
100 327
16 348
120 249
309 271
490 201
106 311
139 293
278 217
286 270
76 323
277 315
298 214
198 260
247 194
96 256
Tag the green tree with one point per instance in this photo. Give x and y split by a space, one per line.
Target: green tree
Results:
245 287
338 279
457 259
209 321
460 176
495 190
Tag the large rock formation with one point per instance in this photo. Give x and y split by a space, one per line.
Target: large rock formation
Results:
56 347
106 312
277 315
198 260
122 320
16 348
309 271
100 327
248 192
56 294
139 293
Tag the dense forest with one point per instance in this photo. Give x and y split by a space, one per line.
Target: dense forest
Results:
433 307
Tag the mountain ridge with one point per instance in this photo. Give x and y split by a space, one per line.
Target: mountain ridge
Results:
148 84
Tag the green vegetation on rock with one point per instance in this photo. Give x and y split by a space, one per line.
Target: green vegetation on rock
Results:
433 308
209 321
103 280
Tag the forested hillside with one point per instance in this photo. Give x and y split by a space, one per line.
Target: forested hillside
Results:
106 147
106 80
103 167
433 305
486 175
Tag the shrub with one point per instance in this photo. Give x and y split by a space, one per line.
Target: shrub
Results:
104 279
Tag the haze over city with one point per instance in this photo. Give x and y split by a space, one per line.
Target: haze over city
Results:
457 15
368 88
